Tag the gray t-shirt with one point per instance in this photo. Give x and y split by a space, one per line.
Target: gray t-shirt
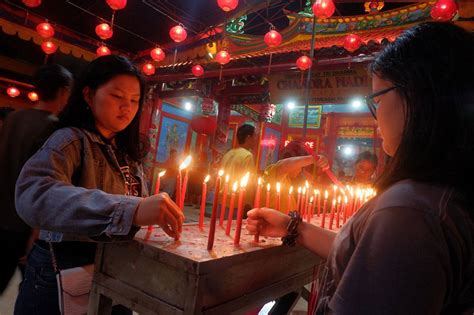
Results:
408 251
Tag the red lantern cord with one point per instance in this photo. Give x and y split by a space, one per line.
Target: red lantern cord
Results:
227 5
323 9
104 31
45 30
444 10
178 33
197 70
148 69
157 54
13 91
103 51
33 96
49 47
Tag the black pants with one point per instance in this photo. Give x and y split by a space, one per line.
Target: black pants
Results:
14 244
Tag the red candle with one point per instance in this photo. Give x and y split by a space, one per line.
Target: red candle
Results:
288 204
267 200
256 204
178 188
344 210
183 192
306 192
157 184
203 201
278 205
212 224
299 200
240 207
318 198
224 201
331 217
310 206
323 219
338 211
303 202
231 208
182 186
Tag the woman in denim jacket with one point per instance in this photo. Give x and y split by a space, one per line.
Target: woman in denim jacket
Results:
86 183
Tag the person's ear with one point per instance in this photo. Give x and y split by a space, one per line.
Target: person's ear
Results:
88 95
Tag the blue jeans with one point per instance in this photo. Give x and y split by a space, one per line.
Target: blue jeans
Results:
39 291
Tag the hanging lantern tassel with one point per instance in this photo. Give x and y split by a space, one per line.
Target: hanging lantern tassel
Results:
270 63
220 73
175 56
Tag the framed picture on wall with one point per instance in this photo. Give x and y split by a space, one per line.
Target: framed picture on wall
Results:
270 146
173 135
296 117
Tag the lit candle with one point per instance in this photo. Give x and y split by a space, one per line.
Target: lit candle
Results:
184 165
288 204
303 202
331 218
224 201
267 199
278 205
305 206
158 180
338 211
256 203
203 201
299 200
318 197
344 210
240 208
231 208
212 224
323 219
310 207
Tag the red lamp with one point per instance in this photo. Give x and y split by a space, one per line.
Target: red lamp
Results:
227 5
49 47
148 69
32 3
33 96
104 31
204 124
178 33
197 70
45 30
117 4
323 9
157 54
103 51
352 42
273 39
304 63
13 91
444 10
223 57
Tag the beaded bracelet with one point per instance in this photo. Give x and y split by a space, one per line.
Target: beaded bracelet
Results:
295 220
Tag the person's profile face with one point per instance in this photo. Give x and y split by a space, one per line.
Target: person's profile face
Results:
364 170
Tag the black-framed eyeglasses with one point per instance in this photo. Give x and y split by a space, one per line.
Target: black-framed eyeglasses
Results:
369 100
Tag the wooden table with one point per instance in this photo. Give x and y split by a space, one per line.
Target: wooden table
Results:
156 275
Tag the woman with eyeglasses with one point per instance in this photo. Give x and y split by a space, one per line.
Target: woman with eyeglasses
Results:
410 250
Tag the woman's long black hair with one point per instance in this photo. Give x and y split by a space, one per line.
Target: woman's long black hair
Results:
432 66
100 71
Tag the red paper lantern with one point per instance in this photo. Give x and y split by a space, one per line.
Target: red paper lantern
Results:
13 91
323 9
273 39
304 63
104 31
178 33
49 47
32 3
117 4
157 54
352 42
103 51
223 57
197 70
204 124
33 96
45 30
444 10
227 5
148 69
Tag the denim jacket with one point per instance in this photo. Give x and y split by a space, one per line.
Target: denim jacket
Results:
73 189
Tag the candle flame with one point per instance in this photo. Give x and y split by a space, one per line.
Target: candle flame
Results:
334 188
162 173
227 178
220 173
206 179
339 199
278 187
268 187
334 202
306 184
299 190
259 181
234 186
316 191
185 163
345 200
304 190
326 194
291 190
244 180
311 199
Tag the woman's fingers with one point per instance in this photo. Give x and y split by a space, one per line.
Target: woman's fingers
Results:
168 231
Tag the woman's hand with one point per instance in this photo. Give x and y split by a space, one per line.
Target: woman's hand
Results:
267 222
322 162
160 209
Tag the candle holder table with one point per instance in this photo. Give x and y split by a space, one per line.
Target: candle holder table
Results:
153 274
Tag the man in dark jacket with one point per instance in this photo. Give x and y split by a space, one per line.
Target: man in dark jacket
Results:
22 134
